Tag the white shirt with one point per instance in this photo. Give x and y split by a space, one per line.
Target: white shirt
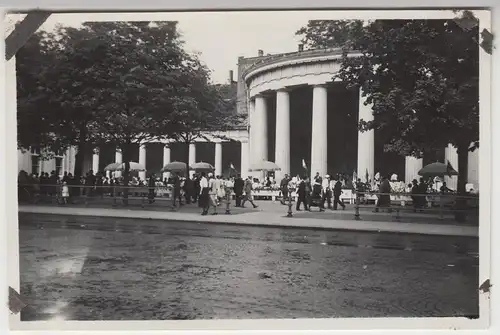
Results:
325 183
203 183
212 186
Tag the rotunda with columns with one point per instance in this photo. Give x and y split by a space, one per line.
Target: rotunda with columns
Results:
297 112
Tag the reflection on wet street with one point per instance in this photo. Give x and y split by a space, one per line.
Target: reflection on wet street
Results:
89 268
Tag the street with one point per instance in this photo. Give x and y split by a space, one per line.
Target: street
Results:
91 268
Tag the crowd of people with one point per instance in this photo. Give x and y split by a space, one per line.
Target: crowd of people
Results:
208 190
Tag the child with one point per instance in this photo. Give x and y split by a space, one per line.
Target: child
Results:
65 192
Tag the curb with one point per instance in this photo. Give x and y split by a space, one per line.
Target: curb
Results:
251 224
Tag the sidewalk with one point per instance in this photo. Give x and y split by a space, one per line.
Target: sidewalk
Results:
268 214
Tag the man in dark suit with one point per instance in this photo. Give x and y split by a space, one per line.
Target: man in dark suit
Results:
196 187
284 189
337 192
302 195
176 181
238 189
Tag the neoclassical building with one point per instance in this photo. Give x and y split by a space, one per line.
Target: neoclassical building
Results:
296 112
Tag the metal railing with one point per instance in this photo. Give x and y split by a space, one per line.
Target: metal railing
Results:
459 206
86 194
434 203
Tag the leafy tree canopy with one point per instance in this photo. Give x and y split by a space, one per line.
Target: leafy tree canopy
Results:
112 82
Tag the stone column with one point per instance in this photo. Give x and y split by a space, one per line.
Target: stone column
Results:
282 133
192 157
118 159
95 160
412 166
473 169
245 152
252 126
218 158
319 148
260 133
142 161
366 142
451 155
166 160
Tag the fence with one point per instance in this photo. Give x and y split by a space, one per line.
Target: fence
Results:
460 207
442 205
85 194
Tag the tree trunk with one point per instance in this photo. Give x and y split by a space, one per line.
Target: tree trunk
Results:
80 153
463 167
187 160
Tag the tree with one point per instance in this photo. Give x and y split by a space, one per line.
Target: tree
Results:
121 83
421 78
35 114
319 34
87 74
201 106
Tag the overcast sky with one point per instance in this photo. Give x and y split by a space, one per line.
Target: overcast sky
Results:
221 37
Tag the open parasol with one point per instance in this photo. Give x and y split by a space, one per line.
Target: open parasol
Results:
174 167
112 167
201 166
133 166
437 169
265 166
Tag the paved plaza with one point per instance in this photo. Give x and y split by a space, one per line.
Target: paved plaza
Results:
102 268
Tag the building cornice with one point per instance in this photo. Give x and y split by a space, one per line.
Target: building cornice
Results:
294 58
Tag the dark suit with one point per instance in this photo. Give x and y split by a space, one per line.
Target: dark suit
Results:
284 190
302 196
337 191
151 189
238 190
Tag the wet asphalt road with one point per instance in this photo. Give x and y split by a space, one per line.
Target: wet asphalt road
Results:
88 268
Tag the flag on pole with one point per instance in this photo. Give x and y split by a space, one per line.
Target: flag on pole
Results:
304 165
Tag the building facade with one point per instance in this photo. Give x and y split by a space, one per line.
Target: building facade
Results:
298 113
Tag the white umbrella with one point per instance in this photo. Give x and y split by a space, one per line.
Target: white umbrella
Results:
174 167
265 166
202 166
112 167
133 166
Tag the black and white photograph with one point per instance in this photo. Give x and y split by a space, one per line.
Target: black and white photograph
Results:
249 165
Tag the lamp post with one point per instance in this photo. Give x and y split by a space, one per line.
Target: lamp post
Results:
228 200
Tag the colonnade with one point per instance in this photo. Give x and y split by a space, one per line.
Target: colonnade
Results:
167 158
319 141
319 144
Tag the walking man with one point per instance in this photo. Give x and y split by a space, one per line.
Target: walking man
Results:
284 189
301 195
238 190
327 192
248 193
203 199
337 192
